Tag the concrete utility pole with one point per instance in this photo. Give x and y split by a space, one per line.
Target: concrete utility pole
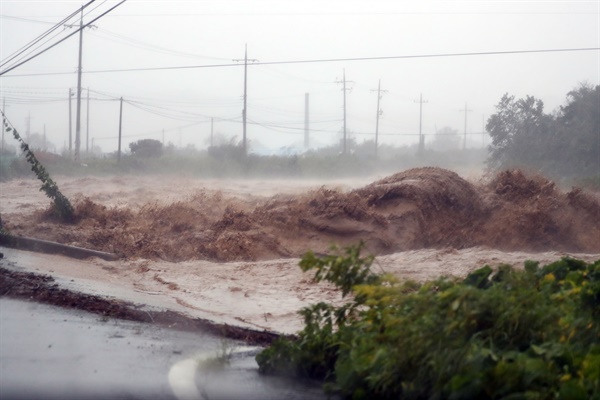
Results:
4 113
78 116
28 129
245 110
466 110
306 120
344 89
120 125
483 131
421 137
79 71
212 132
379 113
87 127
70 123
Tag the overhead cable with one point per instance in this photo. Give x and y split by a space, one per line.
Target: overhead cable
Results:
323 60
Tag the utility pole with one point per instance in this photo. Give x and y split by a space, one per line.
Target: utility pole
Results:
379 113
306 121
483 131
70 123
163 137
28 129
120 125
245 110
212 132
79 71
421 137
3 113
87 127
465 135
344 89
45 142
78 116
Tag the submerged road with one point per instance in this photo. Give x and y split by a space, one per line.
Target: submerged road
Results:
48 352
53 353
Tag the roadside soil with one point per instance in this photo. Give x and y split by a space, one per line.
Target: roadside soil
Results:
228 251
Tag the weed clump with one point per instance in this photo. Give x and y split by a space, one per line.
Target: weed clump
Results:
531 333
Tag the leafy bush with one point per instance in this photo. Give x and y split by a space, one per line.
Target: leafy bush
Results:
518 334
146 148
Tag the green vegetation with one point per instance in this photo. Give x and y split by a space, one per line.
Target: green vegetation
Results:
564 144
508 334
61 205
146 148
226 161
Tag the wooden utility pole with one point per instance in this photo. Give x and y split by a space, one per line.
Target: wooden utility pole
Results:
120 125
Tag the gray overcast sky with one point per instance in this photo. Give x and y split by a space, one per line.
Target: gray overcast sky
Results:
145 34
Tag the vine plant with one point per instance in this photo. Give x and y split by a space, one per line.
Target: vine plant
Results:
62 206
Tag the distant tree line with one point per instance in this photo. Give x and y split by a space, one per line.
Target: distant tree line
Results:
565 143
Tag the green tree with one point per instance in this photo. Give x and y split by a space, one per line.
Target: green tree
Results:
520 133
565 144
579 126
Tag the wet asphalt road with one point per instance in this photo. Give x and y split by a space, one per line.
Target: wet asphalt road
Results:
48 352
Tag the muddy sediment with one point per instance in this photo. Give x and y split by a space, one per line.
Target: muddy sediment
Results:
43 289
415 209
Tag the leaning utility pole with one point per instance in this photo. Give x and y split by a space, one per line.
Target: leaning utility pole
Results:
244 111
421 137
465 135
344 89
379 113
306 120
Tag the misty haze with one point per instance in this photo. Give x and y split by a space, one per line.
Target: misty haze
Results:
394 199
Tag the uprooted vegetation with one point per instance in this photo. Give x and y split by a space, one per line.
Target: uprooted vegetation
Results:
414 209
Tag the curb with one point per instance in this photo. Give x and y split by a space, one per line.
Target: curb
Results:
45 246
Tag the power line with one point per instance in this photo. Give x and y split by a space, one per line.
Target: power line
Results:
63 39
42 36
322 60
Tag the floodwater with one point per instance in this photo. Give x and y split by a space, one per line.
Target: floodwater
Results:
52 353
